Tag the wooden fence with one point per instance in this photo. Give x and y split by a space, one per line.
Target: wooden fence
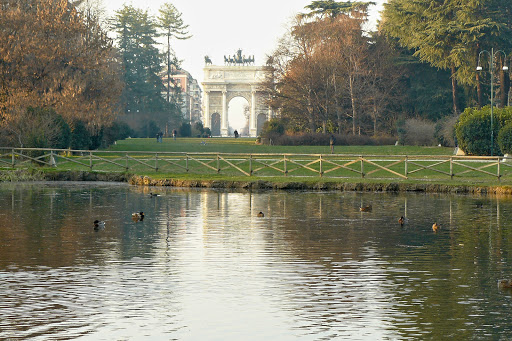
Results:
264 165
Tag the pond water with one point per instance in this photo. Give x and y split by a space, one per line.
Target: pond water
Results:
203 266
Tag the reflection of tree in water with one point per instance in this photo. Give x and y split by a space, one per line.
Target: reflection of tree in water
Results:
52 225
334 265
367 261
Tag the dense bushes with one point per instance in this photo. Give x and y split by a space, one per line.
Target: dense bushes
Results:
318 139
44 128
505 138
185 130
419 133
445 131
199 130
473 129
273 129
35 128
274 132
117 131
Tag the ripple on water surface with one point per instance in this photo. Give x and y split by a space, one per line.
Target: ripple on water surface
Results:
203 266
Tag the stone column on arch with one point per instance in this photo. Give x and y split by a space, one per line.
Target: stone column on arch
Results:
207 117
224 119
253 118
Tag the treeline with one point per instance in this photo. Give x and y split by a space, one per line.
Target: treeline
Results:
411 78
65 83
52 57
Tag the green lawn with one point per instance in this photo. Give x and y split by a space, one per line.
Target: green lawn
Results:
248 145
210 159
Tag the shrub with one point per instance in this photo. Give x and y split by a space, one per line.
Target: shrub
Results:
96 140
150 129
117 131
445 131
80 137
505 139
473 130
36 128
318 139
418 132
273 128
185 130
198 129
207 132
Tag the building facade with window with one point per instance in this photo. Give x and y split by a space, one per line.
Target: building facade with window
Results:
191 95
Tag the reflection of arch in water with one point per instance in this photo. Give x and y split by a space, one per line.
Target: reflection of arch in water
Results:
262 118
215 126
236 115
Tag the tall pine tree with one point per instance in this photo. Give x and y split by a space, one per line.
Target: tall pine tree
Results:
136 37
449 34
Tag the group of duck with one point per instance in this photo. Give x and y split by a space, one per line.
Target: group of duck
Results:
401 220
136 217
139 216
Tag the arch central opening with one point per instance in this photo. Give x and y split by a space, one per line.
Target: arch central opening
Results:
238 116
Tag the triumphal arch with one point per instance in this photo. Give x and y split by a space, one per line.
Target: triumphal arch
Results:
238 77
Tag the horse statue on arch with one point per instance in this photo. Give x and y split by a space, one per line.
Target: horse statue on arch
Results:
207 60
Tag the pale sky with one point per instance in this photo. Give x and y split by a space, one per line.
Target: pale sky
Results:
221 27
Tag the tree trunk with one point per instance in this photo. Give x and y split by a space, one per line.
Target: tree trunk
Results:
504 86
455 94
479 90
478 81
311 116
336 104
375 115
353 102
168 67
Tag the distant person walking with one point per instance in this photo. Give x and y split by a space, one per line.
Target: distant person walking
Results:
174 133
236 134
332 140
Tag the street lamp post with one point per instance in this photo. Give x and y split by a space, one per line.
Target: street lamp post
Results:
491 70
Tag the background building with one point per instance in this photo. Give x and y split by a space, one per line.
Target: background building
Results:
191 95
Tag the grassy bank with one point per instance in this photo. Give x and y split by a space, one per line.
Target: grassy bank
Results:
204 177
248 145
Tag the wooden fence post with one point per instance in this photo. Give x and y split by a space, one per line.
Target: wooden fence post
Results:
53 163
13 158
406 170
499 175
156 162
186 162
90 161
321 170
250 165
451 168
285 170
362 166
218 164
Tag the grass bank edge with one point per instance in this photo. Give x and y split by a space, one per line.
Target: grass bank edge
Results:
306 180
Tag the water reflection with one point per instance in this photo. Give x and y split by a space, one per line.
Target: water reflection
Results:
203 266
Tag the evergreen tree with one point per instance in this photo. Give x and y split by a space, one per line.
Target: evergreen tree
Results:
448 34
136 36
171 23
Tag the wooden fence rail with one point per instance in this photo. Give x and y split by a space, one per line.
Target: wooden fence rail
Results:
264 165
